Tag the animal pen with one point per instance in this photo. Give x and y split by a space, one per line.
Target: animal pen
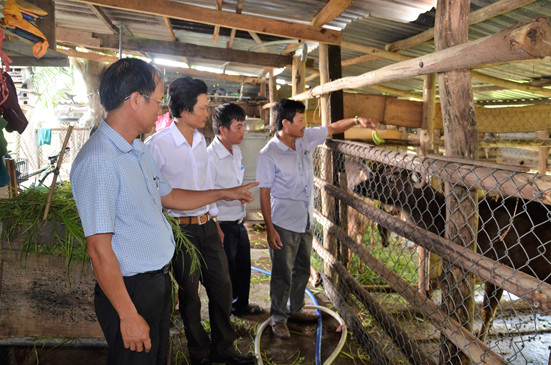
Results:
396 288
462 229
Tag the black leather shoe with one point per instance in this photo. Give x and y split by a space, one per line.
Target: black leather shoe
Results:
236 360
202 361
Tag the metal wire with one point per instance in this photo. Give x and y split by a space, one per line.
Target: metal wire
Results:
438 260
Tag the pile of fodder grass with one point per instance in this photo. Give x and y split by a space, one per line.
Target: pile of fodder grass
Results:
21 219
22 215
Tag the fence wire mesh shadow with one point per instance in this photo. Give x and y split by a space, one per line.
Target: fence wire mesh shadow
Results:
431 261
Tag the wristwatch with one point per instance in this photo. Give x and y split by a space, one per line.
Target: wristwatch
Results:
356 120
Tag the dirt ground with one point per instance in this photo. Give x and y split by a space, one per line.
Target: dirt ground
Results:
299 349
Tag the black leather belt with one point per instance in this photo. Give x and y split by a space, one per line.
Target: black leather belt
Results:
239 221
163 270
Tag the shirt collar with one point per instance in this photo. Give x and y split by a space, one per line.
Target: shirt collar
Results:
116 138
282 146
221 150
179 138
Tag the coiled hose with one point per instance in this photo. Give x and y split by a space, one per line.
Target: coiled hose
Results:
342 327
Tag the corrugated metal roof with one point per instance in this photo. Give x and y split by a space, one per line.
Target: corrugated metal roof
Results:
368 22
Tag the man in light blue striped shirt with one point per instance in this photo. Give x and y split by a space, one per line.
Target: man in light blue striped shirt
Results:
120 195
286 175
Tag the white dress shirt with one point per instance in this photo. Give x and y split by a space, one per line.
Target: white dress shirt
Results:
227 172
290 176
182 165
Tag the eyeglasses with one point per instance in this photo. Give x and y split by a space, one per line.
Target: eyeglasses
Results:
162 103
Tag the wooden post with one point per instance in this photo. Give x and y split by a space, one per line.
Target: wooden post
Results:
324 77
272 96
326 201
56 173
461 141
543 153
12 187
299 76
426 137
336 108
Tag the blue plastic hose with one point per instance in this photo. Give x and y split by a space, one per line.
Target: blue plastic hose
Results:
319 332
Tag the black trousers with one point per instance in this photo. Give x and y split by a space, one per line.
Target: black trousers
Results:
214 276
150 293
238 253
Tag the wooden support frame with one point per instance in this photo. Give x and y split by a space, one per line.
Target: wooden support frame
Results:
535 292
387 322
531 39
478 351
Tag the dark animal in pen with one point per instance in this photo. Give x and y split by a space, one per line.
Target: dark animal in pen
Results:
512 231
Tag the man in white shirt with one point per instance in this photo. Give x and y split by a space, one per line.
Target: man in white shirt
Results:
181 154
227 171
285 172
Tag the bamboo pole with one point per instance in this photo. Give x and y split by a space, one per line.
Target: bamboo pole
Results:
56 172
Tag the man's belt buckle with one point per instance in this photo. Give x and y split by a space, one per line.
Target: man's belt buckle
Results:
200 219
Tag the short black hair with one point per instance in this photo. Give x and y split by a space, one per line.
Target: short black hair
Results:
124 77
224 114
183 93
286 109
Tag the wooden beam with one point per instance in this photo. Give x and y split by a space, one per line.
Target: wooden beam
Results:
510 84
361 59
488 12
212 75
194 51
257 39
238 9
88 55
474 74
312 76
374 51
530 39
100 14
177 10
397 92
292 47
77 38
543 142
169 28
331 10
216 31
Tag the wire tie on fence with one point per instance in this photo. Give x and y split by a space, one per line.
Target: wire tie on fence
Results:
502 237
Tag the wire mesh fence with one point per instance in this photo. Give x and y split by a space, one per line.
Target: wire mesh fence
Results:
433 260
